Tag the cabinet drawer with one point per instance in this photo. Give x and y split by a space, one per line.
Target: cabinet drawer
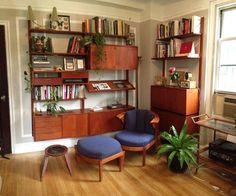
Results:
47 127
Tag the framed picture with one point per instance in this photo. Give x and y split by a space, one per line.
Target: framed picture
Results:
69 64
63 23
80 64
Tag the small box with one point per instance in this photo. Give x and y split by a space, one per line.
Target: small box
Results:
188 84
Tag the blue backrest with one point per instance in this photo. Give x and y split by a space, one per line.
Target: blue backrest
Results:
139 121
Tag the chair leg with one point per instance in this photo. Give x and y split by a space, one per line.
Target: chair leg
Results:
44 166
100 171
121 161
68 163
144 157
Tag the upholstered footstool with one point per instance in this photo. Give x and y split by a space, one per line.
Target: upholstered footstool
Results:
100 150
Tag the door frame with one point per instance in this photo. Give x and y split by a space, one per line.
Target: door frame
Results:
6 25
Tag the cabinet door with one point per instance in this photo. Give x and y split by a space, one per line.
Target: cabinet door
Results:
126 57
115 58
75 125
47 127
177 100
167 119
104 121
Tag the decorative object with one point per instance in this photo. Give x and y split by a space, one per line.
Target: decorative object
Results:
31 17
40 45
100 41
174 76
80 64
62 24
180 149
84 41
69 63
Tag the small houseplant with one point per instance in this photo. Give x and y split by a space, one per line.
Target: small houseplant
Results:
180 149
84 41
52 107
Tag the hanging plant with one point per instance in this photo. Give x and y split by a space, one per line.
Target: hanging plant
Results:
100 41
27 79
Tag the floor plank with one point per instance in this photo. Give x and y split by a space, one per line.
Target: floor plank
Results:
21 177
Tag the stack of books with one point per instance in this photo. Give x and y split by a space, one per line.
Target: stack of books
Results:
41 63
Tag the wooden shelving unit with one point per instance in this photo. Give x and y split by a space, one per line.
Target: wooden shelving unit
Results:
79 122
175 104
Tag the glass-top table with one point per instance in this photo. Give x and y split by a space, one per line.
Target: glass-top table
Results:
216 123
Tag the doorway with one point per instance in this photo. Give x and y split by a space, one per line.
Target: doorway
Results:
5 134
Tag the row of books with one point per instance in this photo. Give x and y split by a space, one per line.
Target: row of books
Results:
179 27
175 48
73 45
63 92
106 26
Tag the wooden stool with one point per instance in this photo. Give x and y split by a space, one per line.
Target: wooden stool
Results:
55 151
100 150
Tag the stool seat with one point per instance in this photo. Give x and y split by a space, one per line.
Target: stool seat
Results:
99 150
98 147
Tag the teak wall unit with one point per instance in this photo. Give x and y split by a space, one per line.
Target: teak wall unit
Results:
175 104
81 122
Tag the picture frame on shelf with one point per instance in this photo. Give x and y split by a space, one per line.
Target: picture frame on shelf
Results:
69 64
80 64
63 23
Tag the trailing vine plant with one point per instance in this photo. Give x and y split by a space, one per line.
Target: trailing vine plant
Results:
100 41
27 79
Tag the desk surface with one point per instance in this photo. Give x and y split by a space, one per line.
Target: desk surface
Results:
218 124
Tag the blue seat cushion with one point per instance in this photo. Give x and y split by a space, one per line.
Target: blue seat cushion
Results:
131 138
98 147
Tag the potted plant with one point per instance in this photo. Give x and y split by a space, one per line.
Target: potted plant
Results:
52 107
100 41
180 149
84 41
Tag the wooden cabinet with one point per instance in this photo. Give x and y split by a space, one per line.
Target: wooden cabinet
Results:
174 105
116 57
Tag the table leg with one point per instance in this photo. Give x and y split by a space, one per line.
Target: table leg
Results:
68 163
44 166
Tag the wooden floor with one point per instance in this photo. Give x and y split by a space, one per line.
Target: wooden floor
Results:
21 177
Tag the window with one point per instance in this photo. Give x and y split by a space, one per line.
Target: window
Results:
226 62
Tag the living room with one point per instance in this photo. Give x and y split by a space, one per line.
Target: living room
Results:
103 86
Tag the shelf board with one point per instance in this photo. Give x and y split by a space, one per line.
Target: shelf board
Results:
174 58
75 99
57 54
50 31
113 84
181 36
57 71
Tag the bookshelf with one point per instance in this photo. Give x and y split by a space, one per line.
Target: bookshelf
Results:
173 103
65 85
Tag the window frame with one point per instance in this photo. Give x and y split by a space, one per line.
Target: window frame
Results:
219 41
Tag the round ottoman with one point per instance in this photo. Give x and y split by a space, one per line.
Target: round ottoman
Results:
100 150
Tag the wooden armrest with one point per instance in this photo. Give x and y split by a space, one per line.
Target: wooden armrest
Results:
155 119
121 116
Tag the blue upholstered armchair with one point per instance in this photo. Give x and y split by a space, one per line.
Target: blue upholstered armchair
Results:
140 130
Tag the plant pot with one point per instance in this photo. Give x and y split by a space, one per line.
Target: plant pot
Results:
175 166
82 50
